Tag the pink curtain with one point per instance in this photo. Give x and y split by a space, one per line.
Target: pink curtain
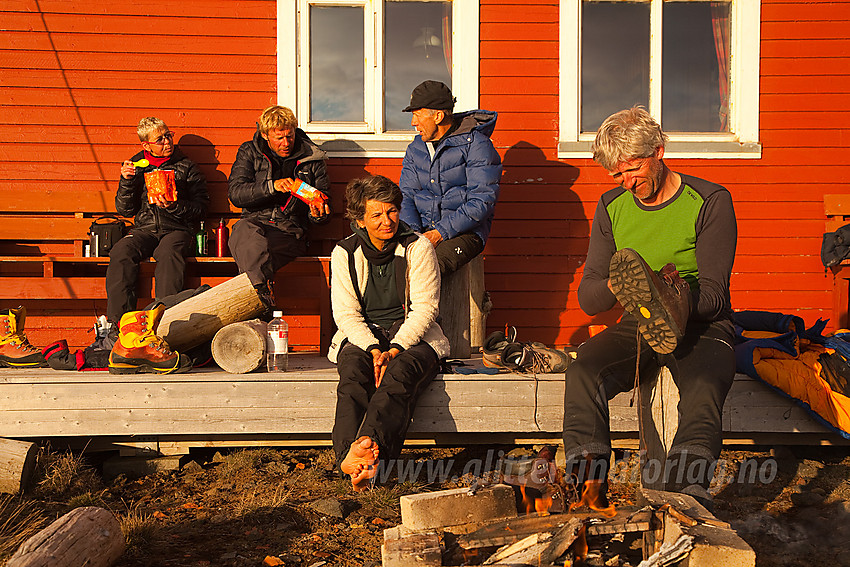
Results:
720 27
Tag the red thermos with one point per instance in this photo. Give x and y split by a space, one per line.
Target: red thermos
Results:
221 249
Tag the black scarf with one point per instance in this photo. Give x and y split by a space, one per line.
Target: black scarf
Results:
385 256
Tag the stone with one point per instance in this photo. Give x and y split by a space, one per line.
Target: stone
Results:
137 467
192 467
455 507
328 507
806 498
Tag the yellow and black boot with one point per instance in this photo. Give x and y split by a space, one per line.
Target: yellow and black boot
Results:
15 349
139 350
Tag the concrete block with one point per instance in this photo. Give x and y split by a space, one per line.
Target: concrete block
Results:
405 548
137 467
455 507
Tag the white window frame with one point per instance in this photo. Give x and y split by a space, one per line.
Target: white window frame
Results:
743 139
367 139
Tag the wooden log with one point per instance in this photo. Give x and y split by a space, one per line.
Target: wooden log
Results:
240 347
17 461
503 532
196 320
463 308
89 536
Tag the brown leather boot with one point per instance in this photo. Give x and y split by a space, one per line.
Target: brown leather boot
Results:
139 350
661 305
15 349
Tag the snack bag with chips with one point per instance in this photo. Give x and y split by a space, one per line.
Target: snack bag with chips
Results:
161 182
308 193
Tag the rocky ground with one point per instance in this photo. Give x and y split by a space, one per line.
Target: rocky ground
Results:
286 507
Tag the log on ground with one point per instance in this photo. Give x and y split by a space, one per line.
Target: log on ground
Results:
89 536
240 347
17 461
197 320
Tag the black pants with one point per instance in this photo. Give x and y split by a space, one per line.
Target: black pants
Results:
261 249
384 413
169 249
455 252
702 366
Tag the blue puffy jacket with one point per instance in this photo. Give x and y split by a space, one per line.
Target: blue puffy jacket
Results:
456 192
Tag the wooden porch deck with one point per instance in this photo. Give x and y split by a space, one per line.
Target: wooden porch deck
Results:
211 408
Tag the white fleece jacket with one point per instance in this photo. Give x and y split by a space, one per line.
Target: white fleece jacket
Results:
422 287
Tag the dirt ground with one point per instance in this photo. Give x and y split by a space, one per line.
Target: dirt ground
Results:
286 507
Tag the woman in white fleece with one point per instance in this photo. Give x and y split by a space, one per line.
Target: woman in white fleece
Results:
385 294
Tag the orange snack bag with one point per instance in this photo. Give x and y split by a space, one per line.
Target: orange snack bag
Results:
161 182
308 193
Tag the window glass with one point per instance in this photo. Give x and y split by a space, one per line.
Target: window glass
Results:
337 80
695 67
614 59
417 47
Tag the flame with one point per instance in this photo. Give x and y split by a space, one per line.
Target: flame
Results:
579 549
591 496
534 504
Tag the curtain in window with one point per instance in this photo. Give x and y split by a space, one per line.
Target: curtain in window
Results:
720 27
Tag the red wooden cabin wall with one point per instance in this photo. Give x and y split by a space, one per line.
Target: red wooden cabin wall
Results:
77 76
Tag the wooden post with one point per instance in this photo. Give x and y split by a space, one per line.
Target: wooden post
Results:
88 536
659 418
464 309
17 461
240 347
196 320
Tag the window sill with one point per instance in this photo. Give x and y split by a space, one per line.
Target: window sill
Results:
725 149
368 148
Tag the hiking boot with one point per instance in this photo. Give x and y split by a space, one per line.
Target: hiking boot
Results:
534 357
15 349
139 350
494 344
661 305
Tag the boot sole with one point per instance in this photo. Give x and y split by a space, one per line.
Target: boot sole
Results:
636 293
9 364
133 368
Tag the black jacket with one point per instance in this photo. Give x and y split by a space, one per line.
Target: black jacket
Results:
251 183
192 197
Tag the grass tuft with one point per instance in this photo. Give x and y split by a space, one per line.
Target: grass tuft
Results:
65 475
242 461
19 521
140 530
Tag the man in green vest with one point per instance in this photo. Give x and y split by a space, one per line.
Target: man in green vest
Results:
662 245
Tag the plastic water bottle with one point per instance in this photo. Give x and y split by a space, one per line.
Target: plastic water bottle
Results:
277 344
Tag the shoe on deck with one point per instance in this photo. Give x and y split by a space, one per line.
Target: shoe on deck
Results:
662 307
15 349
534 357
139 350
494 344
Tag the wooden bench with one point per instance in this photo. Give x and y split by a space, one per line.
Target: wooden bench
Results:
42 267
837 211
207 408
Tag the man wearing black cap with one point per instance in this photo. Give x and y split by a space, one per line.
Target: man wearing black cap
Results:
450 175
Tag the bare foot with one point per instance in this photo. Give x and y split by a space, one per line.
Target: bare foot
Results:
361 463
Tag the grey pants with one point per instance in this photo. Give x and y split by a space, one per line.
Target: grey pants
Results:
261 249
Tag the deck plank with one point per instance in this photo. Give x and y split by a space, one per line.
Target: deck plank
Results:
39 403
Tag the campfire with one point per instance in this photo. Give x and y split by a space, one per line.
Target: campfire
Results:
526 520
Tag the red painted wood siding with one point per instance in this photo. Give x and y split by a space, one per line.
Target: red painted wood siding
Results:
77 76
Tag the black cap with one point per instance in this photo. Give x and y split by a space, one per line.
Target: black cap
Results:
431 94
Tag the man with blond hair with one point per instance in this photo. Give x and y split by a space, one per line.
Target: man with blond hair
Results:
273 229
662 244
